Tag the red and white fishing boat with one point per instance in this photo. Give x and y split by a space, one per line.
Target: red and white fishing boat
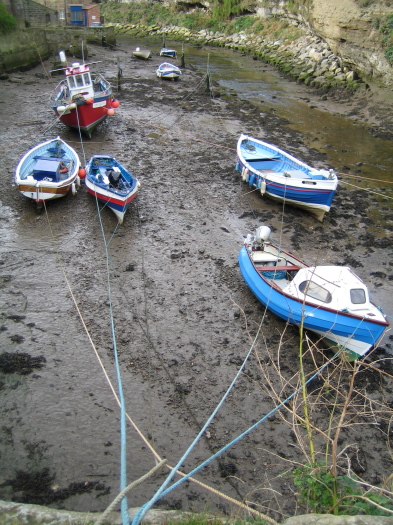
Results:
83 100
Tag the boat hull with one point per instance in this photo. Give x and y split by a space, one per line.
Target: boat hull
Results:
355 334
85 117
284 178
171 75
42 193
168 71
168 53
143 54
118 206
39 187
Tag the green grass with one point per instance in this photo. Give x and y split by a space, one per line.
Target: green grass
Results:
220 19
7 21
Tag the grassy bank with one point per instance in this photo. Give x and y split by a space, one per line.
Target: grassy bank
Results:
149 13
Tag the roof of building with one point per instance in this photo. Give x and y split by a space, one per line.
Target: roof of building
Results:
90 6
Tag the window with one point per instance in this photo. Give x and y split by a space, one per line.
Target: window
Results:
61 14
76 16
358 296
79 80
315 291
86 78
71 82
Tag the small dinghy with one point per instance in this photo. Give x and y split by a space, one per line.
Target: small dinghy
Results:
167 70
111 183
330 301
284 178
166 52
141 53
48 171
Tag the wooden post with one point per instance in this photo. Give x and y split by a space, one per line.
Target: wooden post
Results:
208 86
119 75
182 61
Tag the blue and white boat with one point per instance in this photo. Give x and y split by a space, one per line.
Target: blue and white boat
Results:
331 301
48 171
166 52
284 178
109 182
167 70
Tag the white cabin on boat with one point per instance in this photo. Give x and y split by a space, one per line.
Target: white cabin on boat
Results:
79 81
335 287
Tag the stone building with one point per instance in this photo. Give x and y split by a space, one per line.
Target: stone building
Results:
31 13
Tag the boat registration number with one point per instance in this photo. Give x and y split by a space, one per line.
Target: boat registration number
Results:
99 104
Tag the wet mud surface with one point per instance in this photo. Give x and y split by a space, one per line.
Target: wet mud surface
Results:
183 318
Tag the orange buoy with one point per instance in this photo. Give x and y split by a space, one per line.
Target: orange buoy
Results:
89 100
111 112
82 173
115 103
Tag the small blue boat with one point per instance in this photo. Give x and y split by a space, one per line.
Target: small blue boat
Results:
167 70
331 301
166 52
284 178
110 182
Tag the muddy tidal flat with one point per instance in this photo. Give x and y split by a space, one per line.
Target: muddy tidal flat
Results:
184 320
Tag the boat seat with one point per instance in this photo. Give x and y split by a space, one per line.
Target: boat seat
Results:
297 174
57 152
288 268
264 257
267 164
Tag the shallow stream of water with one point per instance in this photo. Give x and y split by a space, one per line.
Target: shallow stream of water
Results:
347 144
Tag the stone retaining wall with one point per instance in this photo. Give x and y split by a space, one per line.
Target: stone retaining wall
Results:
24 48
20 514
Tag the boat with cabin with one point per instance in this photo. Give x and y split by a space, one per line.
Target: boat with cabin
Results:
331 301
83 99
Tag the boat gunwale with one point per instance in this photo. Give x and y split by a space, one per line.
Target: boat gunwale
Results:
43 183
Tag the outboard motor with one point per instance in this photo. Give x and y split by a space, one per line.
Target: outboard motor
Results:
262 234
114 177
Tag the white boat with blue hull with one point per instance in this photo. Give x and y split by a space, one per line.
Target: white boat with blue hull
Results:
48 171
168 70
284 178
166 52
331 301
111 183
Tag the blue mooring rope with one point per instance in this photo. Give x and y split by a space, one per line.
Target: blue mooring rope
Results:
142 511
123 437
161 492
